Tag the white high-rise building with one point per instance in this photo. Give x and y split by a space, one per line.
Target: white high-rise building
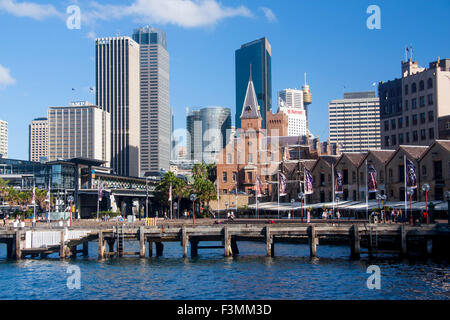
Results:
290 102
156 127
79 130
354 122
291 98
118 92
297 122
3 139
38 140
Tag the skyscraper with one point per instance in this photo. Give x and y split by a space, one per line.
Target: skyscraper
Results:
216 129
255 55
155 99
79 130
38 139
118 92
290 98
194 140
3 139
354 121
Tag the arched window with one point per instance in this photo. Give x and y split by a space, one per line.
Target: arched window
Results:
430 83
414 88
421 85
406 89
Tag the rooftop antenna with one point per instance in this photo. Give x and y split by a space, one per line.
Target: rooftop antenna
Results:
250 72
305 79
412 59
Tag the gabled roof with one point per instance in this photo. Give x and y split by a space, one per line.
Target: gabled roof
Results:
382 155
414 152
354 157
329 160
309 164
443 143
250 107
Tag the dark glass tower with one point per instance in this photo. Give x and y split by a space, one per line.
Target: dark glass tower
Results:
255 55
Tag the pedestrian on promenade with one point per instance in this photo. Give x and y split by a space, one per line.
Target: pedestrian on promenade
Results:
400 215
324 214
338 214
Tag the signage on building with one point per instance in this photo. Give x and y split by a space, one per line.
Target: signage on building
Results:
79 103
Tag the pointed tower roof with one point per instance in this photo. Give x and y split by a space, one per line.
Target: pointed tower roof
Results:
250 107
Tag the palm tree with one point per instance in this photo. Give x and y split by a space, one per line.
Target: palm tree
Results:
199 171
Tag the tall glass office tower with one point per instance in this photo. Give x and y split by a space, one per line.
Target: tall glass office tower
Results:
216 128
255 55
155 99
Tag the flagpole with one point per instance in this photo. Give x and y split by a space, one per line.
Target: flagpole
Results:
98 199
367 192
406 186
332 178
218 204
34 199
278 191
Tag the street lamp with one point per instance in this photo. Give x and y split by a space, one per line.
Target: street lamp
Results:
337 205
410 192
193 198
426 188
301 196
447 197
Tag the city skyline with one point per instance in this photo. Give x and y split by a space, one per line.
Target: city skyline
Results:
72 65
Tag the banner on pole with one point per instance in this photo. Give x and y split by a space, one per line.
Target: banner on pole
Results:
258 187
339 184
282 184
411 178
308 182
372 178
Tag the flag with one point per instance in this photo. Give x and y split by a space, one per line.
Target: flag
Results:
33 200
372 179
339 187
308 182
411 179
170 192
47 198
258 187
100 191
282 184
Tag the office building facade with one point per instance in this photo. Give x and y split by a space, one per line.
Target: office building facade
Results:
155 99
414 107
216 130
354 122
290 98
254 57
194 139
3 139
209 131
38 140
81 130
118 92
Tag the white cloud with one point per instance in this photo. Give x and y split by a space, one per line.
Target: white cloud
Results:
91 35
270 16
5 77
29 9
184 13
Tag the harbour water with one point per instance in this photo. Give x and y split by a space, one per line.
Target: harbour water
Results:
292 275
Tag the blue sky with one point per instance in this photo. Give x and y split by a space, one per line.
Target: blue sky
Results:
41 60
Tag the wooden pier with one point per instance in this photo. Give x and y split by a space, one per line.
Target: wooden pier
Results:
376 238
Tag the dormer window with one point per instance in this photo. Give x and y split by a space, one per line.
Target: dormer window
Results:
248 109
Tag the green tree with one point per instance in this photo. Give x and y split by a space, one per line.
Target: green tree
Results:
205 190
212 172
199 171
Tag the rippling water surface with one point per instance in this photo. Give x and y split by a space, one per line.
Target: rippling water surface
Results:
252 275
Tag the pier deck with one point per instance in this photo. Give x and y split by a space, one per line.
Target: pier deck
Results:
377 238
